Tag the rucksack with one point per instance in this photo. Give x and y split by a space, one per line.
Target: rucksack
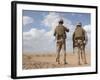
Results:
79 33
60 32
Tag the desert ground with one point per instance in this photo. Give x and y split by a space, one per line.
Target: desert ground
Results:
38 61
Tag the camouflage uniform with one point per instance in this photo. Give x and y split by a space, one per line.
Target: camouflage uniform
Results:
60 34
80 34
80 40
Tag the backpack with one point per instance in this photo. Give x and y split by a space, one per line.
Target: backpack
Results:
60 31
79 33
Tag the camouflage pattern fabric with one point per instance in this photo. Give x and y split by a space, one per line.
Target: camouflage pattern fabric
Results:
60 34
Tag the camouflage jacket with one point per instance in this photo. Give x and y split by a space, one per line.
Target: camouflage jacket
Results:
60 32
79 33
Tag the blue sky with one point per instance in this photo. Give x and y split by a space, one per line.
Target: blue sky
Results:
38 16
38 27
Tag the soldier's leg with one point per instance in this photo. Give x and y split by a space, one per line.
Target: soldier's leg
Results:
73 47
58 52
64 50
84 55
81 51
79 56
73 50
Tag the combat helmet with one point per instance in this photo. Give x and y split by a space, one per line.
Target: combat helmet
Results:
61 21
79 24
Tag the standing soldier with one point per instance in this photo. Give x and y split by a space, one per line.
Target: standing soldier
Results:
60 35
79 41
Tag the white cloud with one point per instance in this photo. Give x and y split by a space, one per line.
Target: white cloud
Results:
37 40
87 28
51 21
27 20
42 40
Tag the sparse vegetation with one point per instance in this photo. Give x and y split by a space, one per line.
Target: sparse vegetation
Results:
38 61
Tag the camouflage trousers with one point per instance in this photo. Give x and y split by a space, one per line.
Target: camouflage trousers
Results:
81 50
61 45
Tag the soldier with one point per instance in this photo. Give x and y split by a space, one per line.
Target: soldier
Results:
80 41
60 34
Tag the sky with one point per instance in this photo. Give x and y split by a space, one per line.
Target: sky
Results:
38 28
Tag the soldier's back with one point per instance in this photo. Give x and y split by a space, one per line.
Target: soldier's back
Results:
60 30
79 32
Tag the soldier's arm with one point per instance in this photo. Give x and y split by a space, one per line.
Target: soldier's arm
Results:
55 32
86 37
66 29
73 36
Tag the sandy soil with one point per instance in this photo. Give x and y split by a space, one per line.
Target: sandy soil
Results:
37 61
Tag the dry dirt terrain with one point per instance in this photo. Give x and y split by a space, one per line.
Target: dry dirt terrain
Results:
37 61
